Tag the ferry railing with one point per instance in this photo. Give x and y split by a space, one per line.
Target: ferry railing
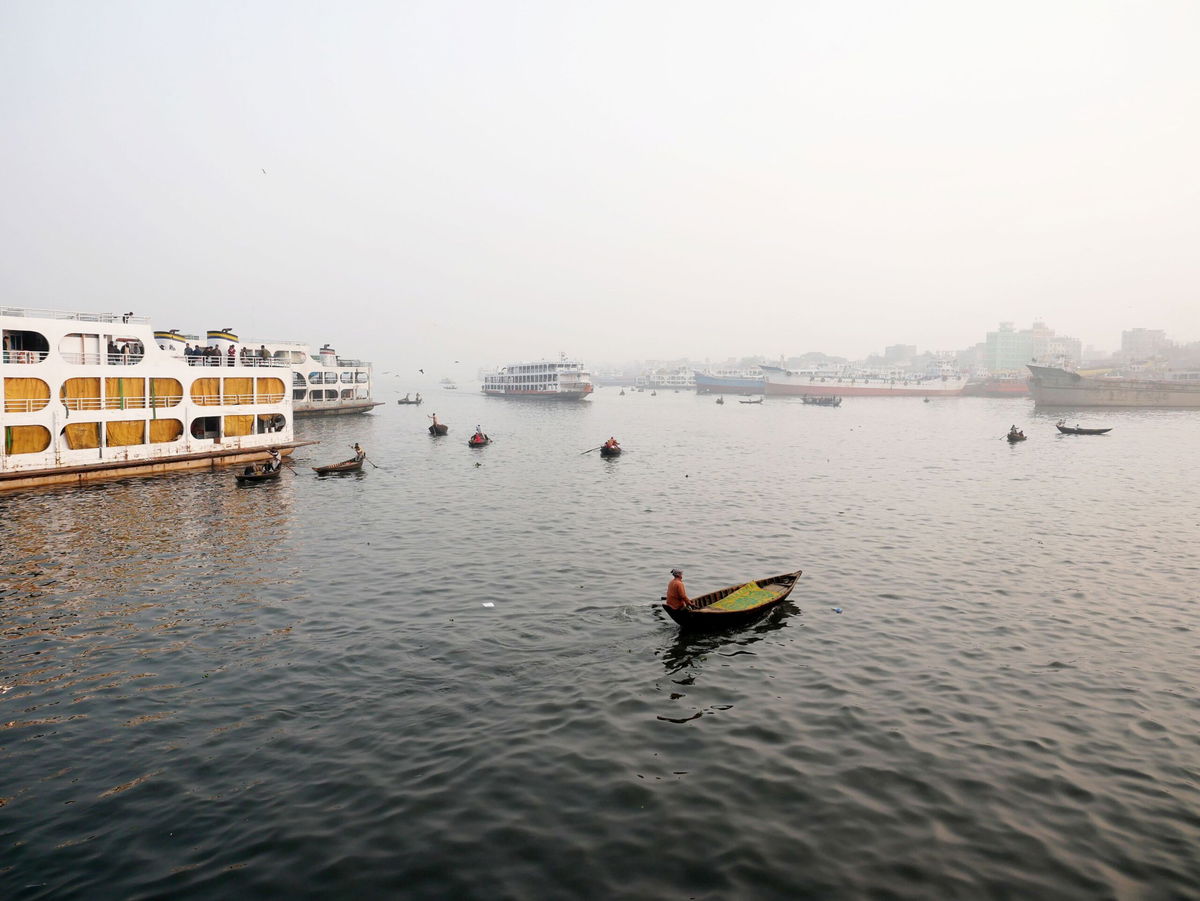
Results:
217 400
25 356
66 314
217 361
25 404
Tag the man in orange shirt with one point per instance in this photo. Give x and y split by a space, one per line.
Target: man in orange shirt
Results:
676 594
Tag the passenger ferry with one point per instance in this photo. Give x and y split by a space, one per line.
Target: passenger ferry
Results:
323 384
937 381
555 380
87 396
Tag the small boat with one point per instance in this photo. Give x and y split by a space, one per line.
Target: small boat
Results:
736 604
344 466
1014 437
622 394
606 451
654 394
751 401
407 400
251 474
720 400
478 440
438 428
822 400
1067 430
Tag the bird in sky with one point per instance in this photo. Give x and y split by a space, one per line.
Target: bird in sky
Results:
264 171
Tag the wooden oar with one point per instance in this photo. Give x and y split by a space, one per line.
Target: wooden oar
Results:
590 449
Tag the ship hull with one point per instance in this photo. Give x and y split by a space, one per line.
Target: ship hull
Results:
540 395
336 408
712 384
1053 387
782 382
998 388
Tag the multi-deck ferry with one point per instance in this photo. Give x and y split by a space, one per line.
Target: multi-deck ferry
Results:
940 382
561 379
323 383
87 396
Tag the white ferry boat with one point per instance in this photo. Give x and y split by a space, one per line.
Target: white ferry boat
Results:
675 378
323 384
562 379
87 396
940 381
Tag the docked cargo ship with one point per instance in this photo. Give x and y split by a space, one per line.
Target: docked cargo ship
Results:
87 396
943 382
729 381
561 379
1055 387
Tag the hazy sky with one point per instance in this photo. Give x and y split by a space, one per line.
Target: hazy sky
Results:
497 180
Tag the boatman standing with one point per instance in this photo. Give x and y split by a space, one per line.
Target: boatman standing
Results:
676 594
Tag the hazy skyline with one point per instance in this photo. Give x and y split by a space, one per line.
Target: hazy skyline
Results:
485 182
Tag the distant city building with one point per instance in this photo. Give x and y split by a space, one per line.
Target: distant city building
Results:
899 353
1008 350
1143 343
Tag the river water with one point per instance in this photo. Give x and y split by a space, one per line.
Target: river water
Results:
448 677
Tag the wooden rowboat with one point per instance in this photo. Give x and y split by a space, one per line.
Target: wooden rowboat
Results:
257 475
736 604
610 451
344 466
1067 430
438 429
471 442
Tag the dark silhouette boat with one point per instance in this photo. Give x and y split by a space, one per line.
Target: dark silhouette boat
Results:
438 429
606 451
759 401
478 440
344 466
250 475
1014 437
1067 430
734 605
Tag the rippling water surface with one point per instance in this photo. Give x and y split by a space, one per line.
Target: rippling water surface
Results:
441 679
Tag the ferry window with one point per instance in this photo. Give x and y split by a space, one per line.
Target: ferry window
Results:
270 422
330 378
26 439
25 395
270 390
82 435
125 351
123 433
347 377
206 427
24 347
125 394
81 395
331 395
314 378
360 377
298 393
236 426
298 380
165 430
81 349
347 394
206 392
165 392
